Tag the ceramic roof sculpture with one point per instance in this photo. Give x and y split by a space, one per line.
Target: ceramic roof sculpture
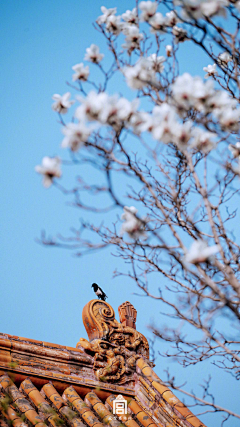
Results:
53 385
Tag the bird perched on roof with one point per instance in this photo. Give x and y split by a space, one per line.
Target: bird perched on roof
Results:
99 292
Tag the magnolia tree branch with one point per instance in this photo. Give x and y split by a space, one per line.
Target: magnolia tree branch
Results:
202 401
174 145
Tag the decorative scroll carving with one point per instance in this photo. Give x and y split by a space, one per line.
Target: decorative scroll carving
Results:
115 347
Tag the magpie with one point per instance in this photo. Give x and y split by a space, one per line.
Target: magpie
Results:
99 292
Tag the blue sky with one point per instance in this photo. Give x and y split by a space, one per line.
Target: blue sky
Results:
43 290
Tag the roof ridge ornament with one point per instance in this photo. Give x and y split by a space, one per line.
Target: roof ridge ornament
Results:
127 314
115 346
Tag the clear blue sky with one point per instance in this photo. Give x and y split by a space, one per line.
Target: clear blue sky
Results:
43 290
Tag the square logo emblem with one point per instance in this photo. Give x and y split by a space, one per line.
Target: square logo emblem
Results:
120 406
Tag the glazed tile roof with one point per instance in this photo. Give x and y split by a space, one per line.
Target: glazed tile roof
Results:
52 385
26 405
58 363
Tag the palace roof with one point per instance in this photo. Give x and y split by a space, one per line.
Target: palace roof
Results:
53 385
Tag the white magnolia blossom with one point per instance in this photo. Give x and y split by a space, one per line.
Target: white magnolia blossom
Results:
130 16
197 9
141 74
148 9
106 14
50 169
169 50
141 122
158 23
133 226
107 110
92 106
203 141
81 72
76 134
164 122
93 54
114 24
224 58
179 33
228 119
164 125
171 19
62 102
181 134
200 252
214 7
121 110
133 36
191 92
235 149
210 70
191 9
157 62
118 111
218 101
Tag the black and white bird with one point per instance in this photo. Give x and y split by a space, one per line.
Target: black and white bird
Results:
99 292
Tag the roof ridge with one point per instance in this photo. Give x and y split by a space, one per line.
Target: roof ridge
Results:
159 389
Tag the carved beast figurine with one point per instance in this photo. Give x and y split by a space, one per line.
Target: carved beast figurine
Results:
115 347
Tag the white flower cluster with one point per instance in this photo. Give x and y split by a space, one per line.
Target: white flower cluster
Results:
197 9
109 18
128 23
164 126
133 226
133 37
223 59
98 107
105 109
113 23
156 20
163 122
63 103
50 169
143 72
160 23
76 134
191 92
